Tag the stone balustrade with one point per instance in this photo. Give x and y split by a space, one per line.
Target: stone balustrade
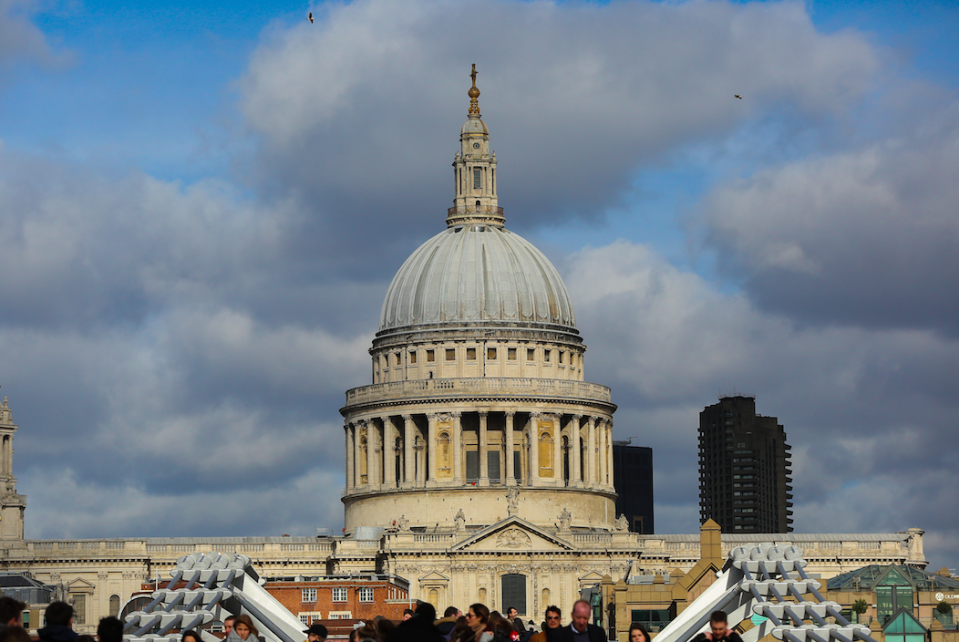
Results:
477 386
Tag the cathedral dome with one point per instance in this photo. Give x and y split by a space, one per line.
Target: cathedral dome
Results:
470 274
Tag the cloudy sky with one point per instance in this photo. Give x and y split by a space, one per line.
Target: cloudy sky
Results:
202 205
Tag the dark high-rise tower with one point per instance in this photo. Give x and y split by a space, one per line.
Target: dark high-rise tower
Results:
744 468
633 480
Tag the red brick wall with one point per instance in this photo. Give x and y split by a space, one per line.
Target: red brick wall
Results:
388 600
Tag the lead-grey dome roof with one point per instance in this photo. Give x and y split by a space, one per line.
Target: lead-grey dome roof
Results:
477 274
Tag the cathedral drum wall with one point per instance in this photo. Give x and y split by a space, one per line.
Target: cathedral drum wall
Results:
481 506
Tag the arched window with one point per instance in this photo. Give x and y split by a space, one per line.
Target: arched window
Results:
482 596
114 605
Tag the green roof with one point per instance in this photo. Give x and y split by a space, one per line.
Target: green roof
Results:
869 577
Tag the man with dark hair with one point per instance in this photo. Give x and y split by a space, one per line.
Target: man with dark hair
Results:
11 612
228 624
513 616
110 629
59 626
580 630
316 633
407 614
448 623
719 630
553 623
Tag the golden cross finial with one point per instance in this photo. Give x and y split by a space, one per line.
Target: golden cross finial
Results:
474 94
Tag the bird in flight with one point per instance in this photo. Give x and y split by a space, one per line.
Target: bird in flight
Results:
736 95
310 17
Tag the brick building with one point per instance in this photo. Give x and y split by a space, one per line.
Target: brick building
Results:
332 599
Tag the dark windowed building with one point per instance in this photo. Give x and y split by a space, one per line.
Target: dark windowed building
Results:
744 468
633 480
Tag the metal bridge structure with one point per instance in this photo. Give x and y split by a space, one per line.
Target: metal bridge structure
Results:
216 586
768 585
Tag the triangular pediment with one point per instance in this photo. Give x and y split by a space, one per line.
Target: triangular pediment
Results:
434 577
592 576
513 534
80 584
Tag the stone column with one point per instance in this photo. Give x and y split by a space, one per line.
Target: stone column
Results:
591 451
370 453
534 449
510 479
602 453
458 448
609 453
558 451
575 450
350 455
431 449
409 464
389 457
357 475
483 456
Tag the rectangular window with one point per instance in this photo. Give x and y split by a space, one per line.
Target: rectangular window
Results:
304 619
530 354
547 354
477 178
397 359
309 595
472 466
80 608
511 354
492 465
514 592
451 354
386 361
561 356
653 621
470 354
339 595
430 355
491 354
412 357
366 594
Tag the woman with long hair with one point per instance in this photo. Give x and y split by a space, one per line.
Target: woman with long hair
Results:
243 630
477 617
637 633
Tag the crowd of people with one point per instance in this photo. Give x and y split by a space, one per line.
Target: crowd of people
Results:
478 624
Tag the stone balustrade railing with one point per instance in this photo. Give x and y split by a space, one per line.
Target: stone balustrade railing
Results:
498 387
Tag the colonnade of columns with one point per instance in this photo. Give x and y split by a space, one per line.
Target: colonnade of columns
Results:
480 448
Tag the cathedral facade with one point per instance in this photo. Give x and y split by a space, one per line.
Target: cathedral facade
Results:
478 461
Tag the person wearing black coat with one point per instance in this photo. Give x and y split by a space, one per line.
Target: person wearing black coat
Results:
580 630
419 628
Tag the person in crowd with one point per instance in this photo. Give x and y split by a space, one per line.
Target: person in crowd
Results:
477 617
59 626
110 629
11 612
366 633
502 628
552 624
316 633
407 614
718 630
638 633
186 636
513 616
446 624
228 625
383 626
12 633
461 631
419 628
243 630
580 630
